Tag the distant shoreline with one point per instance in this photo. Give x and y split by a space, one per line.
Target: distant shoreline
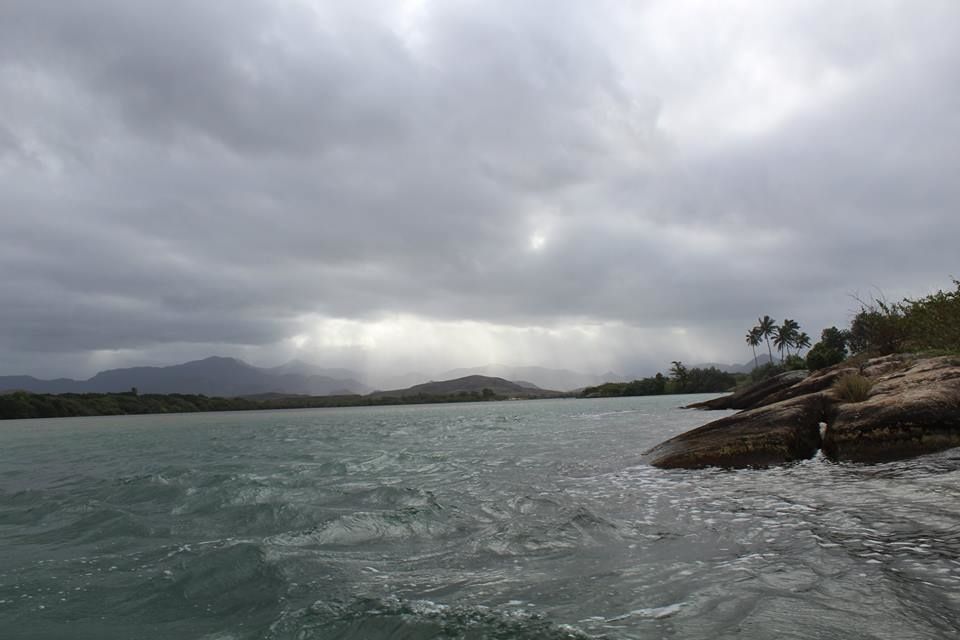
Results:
22 405
46 406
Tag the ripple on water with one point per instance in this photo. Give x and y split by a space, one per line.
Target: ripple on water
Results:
399 619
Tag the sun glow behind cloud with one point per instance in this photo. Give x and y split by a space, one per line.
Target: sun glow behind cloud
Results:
537 241
404 342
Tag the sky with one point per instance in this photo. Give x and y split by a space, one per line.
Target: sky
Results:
416 185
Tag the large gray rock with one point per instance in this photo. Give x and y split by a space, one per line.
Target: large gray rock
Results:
774 434
913 408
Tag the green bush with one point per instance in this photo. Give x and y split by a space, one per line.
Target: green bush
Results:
924 324
853 387
821 357
935 321
794 362
880 328
831 350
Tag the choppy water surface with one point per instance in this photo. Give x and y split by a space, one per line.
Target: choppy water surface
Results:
492 520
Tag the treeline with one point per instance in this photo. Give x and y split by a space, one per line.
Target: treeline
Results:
930 324
21 404
681 380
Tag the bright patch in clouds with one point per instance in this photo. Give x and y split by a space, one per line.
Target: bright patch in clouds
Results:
406 342
299 341
742 71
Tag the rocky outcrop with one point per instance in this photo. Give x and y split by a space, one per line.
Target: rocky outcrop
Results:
818 382
774 434
912 408
753 395
910 411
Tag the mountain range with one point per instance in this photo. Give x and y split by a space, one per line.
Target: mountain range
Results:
746 367
214 376
562 379
230 377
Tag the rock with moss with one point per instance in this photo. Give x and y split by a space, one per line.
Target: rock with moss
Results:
913 407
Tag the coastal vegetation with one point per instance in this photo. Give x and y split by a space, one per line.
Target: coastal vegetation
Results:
680 380
831 350
785 337
930 323
22 404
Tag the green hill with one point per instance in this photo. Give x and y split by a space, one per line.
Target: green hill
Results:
469 385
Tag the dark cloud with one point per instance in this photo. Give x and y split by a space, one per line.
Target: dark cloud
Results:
234 175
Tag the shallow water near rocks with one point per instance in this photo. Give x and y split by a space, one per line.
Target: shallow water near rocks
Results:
491 520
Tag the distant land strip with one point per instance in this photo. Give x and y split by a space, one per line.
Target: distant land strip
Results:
22 404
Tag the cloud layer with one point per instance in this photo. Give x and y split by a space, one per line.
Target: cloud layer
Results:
433 184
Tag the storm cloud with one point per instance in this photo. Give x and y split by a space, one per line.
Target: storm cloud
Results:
422 185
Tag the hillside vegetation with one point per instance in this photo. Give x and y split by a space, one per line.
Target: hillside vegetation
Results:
681 380
22 404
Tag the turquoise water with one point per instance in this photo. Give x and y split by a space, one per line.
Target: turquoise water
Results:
491 520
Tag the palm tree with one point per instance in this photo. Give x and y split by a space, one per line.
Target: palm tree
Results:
780 341
754 338
785 336
792 328
766 325
802 341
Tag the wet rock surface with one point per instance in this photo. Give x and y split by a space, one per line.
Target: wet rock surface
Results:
774 434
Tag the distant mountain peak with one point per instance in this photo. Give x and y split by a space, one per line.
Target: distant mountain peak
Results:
746 367
474 383
543 377
219 359
212 376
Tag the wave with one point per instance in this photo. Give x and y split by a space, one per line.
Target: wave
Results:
365 528
397 619
537 525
